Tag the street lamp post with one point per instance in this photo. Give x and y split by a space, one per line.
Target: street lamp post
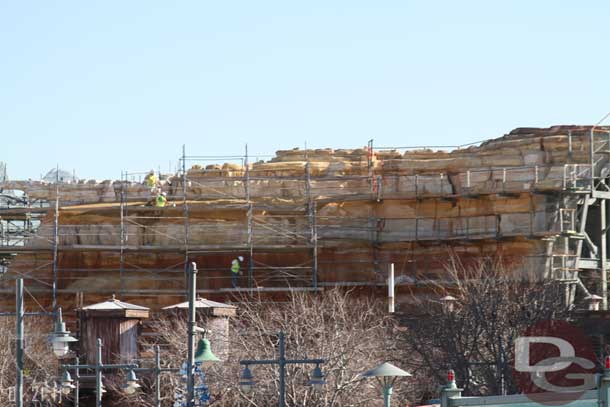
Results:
19 351
247 380
192 332
203 353
99 367
131 384
386 374
60 335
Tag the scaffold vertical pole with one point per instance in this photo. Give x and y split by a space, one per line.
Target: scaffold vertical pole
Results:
55 239
379 181
592 159
315 248
122 238
582 227
185 212
369 163
311 216
391 289
249 220
603 254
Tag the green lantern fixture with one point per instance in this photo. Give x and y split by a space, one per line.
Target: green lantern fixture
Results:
204 352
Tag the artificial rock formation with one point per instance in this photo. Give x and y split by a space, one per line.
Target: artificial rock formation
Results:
310 219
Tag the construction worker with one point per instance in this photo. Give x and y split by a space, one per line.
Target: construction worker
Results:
161 200
235 270
151 180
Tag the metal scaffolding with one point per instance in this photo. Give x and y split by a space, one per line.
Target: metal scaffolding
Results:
574 232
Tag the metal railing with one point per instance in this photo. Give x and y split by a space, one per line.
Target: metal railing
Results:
298 186
294 230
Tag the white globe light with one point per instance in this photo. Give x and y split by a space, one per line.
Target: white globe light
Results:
60 348
130 389
60 337
131 385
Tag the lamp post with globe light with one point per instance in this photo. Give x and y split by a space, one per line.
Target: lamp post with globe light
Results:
247 383
131 385
60 338
386 374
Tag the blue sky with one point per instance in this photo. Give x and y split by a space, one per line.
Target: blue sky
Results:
107 86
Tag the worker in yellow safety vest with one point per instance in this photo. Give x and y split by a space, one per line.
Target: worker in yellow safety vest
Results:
151 180
235 270
161 200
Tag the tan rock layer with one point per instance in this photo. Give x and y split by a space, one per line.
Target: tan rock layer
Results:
472 202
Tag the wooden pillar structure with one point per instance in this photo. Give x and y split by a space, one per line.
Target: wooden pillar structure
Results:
117 324
215 316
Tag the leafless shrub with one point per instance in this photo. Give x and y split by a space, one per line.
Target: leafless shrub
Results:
352 332
477 338
40 364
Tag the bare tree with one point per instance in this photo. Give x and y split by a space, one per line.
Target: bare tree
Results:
494 305
40 365
353 332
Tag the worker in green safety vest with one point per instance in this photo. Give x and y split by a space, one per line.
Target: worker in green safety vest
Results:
235 270
161 200
151 180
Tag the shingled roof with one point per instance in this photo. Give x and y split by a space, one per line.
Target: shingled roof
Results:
211 307
114 307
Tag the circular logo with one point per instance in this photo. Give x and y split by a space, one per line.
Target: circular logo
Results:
554 363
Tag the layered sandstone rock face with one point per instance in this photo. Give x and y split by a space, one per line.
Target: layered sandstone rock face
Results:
343 214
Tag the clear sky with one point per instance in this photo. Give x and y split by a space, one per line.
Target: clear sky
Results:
107 86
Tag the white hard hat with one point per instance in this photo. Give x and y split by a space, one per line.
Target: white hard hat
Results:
240 258
164 193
